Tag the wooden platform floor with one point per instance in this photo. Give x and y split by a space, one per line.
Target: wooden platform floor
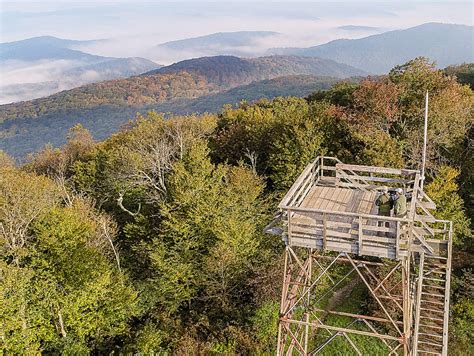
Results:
341 233
341 199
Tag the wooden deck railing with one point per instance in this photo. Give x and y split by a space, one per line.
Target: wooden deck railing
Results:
298 191
361 234
346 232
355 232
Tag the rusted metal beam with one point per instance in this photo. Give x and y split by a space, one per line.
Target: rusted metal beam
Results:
357 316
336 328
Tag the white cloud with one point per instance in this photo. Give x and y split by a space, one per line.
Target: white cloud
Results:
19 72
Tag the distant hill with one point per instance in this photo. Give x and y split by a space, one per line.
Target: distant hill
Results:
104 106
133 91
446 44
231 71
61 67
292 85
218 40
241 43
46 47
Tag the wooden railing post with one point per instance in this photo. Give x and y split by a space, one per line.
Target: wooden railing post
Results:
324 231
322 166
360 235
397 240
289 227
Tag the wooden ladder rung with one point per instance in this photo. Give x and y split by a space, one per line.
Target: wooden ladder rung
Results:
441 288
430 343
432 326
432 302
430 286
433 295
431 318
433 310
429 352
434 279
434 271
437 257
431 335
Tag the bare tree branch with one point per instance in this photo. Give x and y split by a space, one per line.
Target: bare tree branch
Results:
120 204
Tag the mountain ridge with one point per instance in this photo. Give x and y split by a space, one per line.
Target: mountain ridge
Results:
46 47
23 135
230 39
202 76
259 68
236 43
195 85
446 44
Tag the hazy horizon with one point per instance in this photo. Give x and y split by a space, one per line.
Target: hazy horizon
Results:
135 28
132 27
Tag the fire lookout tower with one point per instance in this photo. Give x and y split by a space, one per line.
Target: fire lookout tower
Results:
334 238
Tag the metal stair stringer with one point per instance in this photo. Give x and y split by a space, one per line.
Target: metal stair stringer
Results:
430 334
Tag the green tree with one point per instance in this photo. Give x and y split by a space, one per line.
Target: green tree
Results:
209 230
450 110
443 189
61 285
297 141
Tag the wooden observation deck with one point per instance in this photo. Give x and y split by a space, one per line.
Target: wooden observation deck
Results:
331 209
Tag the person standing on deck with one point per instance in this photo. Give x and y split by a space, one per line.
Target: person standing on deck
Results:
400 203
385 205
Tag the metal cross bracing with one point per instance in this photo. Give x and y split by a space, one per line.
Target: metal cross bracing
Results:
308 282
335 244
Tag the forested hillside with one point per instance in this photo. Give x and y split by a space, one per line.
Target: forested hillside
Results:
130 91
103 107
187 79
76 76
230 71
22 136
151 241
463 72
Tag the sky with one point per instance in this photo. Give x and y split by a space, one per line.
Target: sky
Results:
134 25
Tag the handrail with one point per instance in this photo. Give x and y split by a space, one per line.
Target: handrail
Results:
317 168
373 179
374 169
296 185
343 213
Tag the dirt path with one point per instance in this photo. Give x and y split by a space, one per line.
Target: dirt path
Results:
339 296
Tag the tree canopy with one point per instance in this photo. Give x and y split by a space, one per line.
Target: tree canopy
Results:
151 240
